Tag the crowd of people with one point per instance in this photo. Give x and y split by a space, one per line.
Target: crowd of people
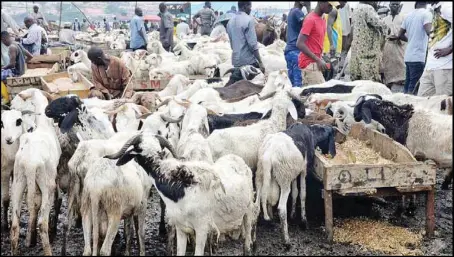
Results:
395 50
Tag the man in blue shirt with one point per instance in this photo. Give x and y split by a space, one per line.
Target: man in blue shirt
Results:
243 40
138 40
295 21
417 26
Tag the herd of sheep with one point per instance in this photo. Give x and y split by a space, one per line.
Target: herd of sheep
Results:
217 156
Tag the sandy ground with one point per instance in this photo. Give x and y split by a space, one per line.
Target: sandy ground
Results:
304 242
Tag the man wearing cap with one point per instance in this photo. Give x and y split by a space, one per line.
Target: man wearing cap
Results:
76 25
182 28
295 22
110 75
219 27
207 17
437 76
67 35
310 43
368 38
39 17
138 39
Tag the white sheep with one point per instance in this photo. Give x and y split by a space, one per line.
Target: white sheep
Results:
245 141
35 168
200 198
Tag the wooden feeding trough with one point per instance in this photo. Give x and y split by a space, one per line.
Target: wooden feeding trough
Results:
61 84
401 176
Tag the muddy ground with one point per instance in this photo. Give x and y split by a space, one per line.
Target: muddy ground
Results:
304 242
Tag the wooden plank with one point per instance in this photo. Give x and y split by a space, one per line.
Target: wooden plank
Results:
328 199
51 58
376 176
142 84
386 146
430 216
82 93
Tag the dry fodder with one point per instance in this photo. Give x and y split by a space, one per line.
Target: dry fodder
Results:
372 235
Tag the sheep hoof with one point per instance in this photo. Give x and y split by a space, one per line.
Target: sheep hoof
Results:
304 225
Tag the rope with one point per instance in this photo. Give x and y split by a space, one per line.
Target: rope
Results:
132 76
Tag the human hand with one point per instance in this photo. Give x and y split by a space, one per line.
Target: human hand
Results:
442 52
321 65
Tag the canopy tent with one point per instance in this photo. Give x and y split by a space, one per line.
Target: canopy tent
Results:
152 18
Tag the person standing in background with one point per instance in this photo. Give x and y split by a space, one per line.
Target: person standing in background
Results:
232 10
207 17
333 37
32 42
216 15
346 20
182 28
291 52
76 25
243 40
393 65
106 25
306 7
417 25
166 28
138 39
115 24
437 76
368 40
310 43
67 35
84 26
39 17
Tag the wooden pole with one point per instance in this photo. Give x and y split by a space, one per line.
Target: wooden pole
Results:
84 16
59 23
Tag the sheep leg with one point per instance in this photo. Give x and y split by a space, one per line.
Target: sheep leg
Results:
266 174
303 200
33 205
141 231
410 211
54 219
47 193
182 241
171 240
95 222
200 241
87 228
16 197
128 235
112 229
294 197
6 175
285 191
162 223
248 223
444 186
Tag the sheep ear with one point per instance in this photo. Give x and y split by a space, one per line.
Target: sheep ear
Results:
69 121
366 114
292 110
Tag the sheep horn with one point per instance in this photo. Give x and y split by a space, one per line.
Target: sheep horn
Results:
229 71
143 111
165 143
243 73
294 96
144 116
171 120
262 98
358 101
163 103
49 97
133 141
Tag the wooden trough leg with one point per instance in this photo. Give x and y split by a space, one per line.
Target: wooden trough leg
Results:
430 216
327 195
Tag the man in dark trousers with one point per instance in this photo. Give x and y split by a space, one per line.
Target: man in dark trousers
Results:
166 28
243 40
294 23
207 18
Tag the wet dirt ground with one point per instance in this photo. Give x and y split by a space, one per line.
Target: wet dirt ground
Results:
304 242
